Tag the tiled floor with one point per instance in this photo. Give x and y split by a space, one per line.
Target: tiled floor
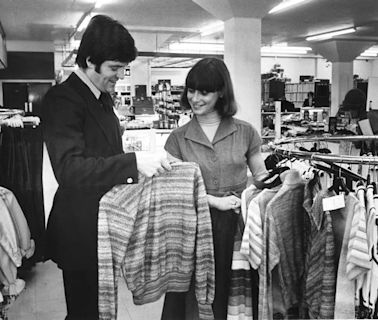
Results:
43 298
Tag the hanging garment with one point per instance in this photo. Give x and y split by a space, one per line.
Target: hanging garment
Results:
243 281
283 235
354 258
370 285
374 270
262 199
158 233
252 239
240 293
320 275
8 235
21 172
24 241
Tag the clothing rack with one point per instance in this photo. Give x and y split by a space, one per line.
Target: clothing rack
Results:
316 156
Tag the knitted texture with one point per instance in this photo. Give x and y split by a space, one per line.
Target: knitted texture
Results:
158 233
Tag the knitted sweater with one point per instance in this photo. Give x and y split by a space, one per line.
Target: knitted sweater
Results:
23 237
283 232
158 232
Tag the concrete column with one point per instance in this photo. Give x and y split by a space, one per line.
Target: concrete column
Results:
342 82
341 53
242 38
140 74
374 72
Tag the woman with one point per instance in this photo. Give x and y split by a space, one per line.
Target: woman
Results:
309 101
224 147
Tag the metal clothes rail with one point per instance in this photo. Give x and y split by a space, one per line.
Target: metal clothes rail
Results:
316 156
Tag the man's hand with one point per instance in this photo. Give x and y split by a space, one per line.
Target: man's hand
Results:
151 164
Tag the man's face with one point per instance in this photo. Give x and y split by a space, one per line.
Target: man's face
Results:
110 72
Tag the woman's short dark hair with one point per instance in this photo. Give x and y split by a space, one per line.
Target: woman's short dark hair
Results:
212 75
355 103
105 39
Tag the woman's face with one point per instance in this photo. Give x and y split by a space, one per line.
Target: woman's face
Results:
202 102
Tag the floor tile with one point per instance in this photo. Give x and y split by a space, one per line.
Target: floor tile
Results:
43 298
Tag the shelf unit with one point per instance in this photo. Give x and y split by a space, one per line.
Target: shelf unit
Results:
297 92
123 95
271 123
272 89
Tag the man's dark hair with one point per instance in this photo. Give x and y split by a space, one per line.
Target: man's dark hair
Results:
105 39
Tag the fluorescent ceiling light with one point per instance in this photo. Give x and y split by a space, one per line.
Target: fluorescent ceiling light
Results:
84 22
196 47
329 35
368 54
212 28
371 52
285 5
202 47
285 49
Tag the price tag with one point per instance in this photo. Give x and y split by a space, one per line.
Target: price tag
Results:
334 203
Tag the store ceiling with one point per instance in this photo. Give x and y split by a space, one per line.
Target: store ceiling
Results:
156 23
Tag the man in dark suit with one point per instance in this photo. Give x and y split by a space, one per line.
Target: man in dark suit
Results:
83 139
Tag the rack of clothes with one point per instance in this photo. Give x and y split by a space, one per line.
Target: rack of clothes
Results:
16 246
21 152
19 198
307 246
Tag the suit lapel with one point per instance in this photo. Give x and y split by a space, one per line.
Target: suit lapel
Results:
106 121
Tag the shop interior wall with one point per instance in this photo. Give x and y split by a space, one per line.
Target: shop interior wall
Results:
293 67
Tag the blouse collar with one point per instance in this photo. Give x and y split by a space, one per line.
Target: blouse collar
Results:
196 134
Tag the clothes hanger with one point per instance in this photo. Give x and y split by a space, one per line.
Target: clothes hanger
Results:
274 173
348 174
338 185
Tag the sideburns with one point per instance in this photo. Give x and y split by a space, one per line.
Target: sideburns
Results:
97 68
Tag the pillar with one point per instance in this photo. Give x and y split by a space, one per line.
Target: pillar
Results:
342 82
140 74
342 54
242 50
242 38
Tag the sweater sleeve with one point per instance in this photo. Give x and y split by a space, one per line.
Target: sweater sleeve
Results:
204 267
118 207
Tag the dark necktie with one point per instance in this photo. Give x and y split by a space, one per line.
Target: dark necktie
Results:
106 101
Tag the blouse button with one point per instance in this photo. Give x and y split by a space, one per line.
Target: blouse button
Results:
215 181
129 180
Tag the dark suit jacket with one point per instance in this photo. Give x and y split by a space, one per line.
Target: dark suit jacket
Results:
85 149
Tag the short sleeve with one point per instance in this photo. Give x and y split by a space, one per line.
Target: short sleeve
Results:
172 146
254 140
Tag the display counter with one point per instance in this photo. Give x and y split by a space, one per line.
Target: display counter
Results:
145 139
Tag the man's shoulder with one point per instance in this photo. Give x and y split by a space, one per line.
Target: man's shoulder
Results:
66 88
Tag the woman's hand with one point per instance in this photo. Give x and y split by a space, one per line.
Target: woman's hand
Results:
224 203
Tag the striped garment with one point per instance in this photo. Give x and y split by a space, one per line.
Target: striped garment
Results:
320 279
374 270
370 288
283 237
158 233
354 258
252 246
240 295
